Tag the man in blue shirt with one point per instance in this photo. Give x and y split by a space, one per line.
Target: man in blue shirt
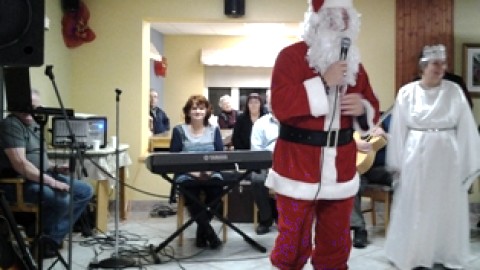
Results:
159 122
377 174
263 137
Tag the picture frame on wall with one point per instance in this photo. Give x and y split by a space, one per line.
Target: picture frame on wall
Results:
471 67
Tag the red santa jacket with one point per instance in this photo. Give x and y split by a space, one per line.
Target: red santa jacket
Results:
299 99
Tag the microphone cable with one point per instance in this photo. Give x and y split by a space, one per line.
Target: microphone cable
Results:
322 151
344 46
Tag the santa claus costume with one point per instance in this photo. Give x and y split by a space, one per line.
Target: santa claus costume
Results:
313 172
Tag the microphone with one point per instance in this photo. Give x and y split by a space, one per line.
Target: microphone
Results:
49 72
344 46
118 91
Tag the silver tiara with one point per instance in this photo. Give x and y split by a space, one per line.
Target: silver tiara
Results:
434 52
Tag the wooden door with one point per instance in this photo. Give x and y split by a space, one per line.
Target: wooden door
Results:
420 23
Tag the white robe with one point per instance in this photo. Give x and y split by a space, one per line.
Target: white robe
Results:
435 146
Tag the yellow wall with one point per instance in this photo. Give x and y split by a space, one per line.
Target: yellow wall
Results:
56 54
118 59
377 45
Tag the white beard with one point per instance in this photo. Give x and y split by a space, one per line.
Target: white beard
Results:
325 44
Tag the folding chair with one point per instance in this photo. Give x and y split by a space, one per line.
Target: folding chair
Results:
20 205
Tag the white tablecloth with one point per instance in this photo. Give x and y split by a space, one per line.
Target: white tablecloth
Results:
105 158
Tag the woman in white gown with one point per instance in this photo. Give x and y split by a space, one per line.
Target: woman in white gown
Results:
434 150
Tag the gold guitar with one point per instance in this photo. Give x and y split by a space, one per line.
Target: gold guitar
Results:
365 159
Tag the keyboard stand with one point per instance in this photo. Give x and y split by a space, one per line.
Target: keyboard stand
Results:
228 186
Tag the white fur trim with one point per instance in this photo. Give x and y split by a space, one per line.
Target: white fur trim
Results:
306 191
337 3
369 110
317 96
329 170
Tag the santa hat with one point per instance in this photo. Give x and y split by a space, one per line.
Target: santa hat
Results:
318 4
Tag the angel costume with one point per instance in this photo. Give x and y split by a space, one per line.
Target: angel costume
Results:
435 146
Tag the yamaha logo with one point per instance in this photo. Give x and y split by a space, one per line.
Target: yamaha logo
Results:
215 157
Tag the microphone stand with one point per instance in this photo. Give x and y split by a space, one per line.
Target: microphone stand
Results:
41 119
75 154
115 261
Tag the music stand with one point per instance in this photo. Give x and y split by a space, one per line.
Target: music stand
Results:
76 154
215 165
41 117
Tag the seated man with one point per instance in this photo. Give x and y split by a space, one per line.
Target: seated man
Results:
264 135
19 155
377 174
158 120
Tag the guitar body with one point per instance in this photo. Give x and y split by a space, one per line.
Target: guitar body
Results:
365 160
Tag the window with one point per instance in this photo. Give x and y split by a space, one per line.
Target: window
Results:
239 96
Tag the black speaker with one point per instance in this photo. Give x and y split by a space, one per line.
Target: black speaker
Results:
234 8
70 5
18 90
22 32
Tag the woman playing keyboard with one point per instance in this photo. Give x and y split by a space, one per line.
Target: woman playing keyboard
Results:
196 135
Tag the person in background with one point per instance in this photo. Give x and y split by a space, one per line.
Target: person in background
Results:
319 100
195 135
377 174
226 119
158 121
434 153
242 130
20 156
228 116
264 136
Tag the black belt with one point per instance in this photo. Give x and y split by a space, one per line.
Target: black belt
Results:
315 137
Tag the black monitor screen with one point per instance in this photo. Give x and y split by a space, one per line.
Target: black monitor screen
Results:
86 130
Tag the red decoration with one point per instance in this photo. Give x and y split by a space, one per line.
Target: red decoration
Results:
160 67
74 27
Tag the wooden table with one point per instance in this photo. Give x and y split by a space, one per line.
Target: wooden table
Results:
106 159
159 142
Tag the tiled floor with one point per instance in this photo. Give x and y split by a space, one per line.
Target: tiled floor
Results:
140 233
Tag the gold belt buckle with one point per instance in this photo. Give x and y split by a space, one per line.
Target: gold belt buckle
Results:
336 131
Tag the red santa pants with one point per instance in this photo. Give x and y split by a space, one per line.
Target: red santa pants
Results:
293 245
